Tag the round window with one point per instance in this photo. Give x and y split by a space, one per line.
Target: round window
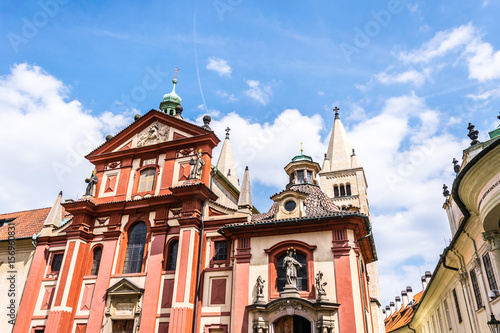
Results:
290 205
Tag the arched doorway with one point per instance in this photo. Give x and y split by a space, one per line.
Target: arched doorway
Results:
292 324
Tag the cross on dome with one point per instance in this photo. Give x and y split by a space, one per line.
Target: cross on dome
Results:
227 132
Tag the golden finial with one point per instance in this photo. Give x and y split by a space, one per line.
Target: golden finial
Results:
301 150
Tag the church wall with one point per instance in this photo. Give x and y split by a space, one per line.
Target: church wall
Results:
225 197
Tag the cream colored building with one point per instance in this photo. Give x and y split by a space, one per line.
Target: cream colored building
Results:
462 292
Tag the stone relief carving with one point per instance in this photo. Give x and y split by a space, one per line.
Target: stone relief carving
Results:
112 165
185 152
155 133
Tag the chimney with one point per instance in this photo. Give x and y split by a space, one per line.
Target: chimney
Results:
398 303
424 282
393 308
384 313
409 292
404 297
387 311
428 276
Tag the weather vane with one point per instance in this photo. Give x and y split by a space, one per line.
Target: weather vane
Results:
176 70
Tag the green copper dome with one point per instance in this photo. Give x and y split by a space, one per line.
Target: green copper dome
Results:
302 157
170 101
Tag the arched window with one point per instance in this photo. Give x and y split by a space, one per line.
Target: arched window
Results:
135 248
342 191
96 261
146 180
172 255
301 271
336 191
348 189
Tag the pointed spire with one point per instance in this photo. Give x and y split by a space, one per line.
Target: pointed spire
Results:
54 218
245 199
225 164
354 160
339 152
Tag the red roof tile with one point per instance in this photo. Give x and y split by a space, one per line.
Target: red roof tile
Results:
402 316
26 223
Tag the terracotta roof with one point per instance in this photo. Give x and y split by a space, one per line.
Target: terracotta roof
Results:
27 222
403 316
317 204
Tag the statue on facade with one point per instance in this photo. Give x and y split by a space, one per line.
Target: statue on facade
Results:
320 290
260 290
196 166
91 183
290 264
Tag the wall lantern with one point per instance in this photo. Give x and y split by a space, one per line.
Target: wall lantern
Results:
494 325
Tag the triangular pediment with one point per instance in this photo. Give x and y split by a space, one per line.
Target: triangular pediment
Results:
124 287
154 128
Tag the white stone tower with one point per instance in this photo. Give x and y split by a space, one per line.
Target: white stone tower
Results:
343 180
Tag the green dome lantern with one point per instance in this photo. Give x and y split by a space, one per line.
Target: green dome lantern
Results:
171 103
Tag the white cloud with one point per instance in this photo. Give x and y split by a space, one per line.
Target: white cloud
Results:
45 137
465 42
228 97
321 93
442 43
267 148
258 92
220 66
410 76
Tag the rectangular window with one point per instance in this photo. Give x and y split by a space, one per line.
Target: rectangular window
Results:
447 312
475 287
309 177
489 272
57 258
146 180
457 306
220 250
300 177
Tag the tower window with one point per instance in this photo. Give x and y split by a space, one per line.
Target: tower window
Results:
309 177
342 190
146 180
135 248
336 191
96 262
348 189
300 177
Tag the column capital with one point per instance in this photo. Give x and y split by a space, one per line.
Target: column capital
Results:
493 238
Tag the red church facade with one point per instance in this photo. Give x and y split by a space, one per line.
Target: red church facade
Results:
164 241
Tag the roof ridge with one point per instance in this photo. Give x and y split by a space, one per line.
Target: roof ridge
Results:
24 211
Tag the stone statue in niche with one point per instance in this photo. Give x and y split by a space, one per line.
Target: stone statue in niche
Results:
290 264
154 134
91 183
196 166
260 290
320 290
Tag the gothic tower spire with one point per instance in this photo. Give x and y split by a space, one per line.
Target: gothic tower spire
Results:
245 199
340 149
225 164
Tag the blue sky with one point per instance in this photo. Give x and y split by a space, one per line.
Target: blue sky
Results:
408 77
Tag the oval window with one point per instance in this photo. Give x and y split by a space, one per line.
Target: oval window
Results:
290 205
